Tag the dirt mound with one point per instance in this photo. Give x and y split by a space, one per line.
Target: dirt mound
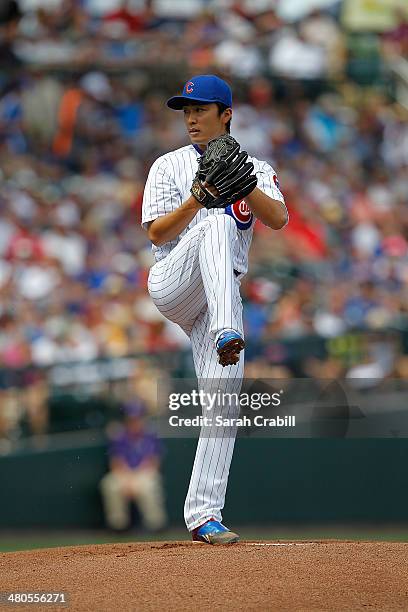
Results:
182 576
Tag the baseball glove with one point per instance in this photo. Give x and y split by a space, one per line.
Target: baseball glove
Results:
225 167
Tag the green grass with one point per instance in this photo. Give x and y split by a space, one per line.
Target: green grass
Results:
27 540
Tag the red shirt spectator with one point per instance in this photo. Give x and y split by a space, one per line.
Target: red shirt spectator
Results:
25 246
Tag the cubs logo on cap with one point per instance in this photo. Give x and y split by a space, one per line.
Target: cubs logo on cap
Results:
189 87
241 213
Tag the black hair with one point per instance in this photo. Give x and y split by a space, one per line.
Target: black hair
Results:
221 108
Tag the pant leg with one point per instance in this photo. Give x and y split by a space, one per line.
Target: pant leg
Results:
198 274
148 495
116 504
208 484
217 249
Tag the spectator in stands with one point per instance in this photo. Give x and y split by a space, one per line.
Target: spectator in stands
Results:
134 473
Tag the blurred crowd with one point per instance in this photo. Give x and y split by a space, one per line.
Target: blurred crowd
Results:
83 86
244 37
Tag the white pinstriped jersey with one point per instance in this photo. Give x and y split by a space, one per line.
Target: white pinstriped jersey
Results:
168 186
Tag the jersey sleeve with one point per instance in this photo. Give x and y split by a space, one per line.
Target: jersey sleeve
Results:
269 184
161 195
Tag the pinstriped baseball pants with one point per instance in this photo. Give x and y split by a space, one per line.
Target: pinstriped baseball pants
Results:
195 287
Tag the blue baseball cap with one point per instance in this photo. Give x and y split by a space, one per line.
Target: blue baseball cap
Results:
203 88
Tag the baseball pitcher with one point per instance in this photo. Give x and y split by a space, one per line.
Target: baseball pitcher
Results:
199 207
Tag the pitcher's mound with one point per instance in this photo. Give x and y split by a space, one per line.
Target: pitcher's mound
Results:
179 576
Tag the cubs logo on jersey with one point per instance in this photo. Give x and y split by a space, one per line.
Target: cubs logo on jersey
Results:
241 213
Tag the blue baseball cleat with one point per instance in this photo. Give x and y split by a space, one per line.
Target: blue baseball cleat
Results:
229 345
214 532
